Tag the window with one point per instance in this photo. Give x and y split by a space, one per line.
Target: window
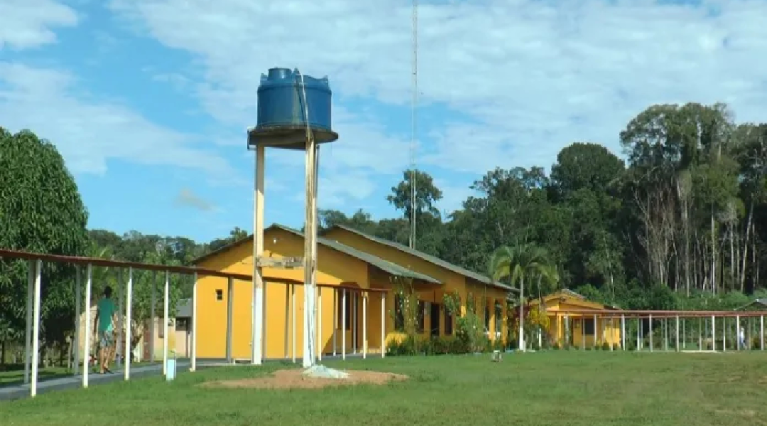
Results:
219 294
420 316
448 322
347 322
399 317
588 325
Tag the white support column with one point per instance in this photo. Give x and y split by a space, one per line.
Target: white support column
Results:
28 334
153 317
684 334
676 335
257 321
78 312
639 333
165 302
128 317
665 334
724 334
293 321
87 325
737 332
761 332
713 333
700 333
36 328
355 299
230 319
335 321
364 326
320 345
623 332
383 324
119 350
651 335
595 331
193 363
288 286
343 324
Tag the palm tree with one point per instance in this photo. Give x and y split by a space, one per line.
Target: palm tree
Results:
517 263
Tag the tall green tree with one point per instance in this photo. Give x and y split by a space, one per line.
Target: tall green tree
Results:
40 211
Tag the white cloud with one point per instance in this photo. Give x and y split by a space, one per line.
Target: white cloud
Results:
524 77
27 23
89 132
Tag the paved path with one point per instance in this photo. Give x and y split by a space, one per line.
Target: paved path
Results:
19 391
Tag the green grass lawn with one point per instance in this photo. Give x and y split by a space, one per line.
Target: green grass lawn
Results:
16 376
553 388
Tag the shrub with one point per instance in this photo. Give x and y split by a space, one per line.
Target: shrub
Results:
605 346
555 346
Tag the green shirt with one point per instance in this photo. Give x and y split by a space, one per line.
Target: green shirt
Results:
106 310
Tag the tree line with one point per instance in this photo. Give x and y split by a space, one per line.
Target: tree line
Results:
679 223
683 217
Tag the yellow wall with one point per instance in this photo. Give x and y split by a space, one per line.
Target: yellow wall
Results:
334 268
453 282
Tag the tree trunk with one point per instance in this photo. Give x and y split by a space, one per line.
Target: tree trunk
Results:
745 245
713 253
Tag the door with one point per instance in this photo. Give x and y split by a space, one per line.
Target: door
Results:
434 319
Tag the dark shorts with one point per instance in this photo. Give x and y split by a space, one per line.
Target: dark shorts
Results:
106 338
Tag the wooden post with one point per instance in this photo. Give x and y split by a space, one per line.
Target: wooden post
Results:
257 320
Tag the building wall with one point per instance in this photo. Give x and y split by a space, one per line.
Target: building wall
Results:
334 269
453 282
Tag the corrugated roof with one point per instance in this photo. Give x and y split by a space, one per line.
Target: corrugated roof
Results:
384 265
429 258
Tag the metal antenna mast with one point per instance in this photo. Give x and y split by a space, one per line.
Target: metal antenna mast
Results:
413 137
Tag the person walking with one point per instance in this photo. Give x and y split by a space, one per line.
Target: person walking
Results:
742 338
106 317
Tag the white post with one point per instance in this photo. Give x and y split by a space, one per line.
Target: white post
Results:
354 318
595 332
120 320
87 326
193 366
320 346
335 321
153 317
36 328
383 324
76 337
700 334
128 300
652 331
737 332
257 330
639 333
364 326
28 334
229 319
623 332
761 332
165 307
724 334
665 334
288 286
713 333
293 321
677 334
343 324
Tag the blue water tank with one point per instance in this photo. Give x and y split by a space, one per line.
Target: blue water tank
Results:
281 99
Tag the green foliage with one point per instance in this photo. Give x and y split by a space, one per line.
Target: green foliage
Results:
40 211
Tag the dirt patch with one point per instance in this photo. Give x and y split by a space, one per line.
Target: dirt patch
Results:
294 379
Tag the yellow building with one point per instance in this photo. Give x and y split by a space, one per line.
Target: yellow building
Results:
489 296
571 321
360 273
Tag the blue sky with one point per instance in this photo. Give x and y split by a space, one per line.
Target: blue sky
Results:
149 100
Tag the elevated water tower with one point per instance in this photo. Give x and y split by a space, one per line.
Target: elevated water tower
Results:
294 112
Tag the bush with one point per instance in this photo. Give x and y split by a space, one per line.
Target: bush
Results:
605 346
555 346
